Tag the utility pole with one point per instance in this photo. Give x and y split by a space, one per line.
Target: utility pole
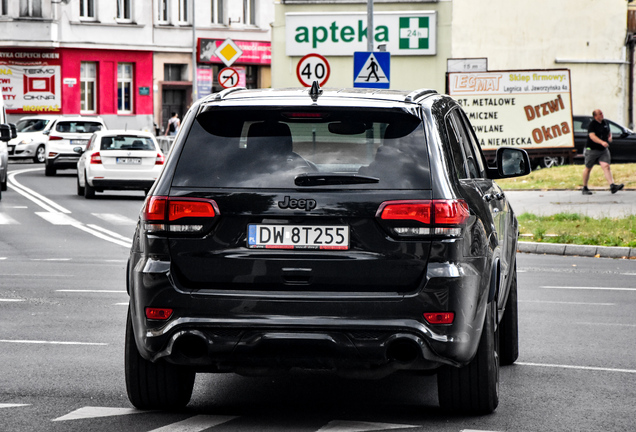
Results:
370 25
194 53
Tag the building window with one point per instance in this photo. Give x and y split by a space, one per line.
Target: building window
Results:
175 72
123 10
87 9
162 16
183 11
217 11
249 12
31 8
88 80
3 7
124 88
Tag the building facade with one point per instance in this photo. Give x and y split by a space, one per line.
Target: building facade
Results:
132 62
425 36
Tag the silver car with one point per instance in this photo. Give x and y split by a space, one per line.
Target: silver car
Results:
33 133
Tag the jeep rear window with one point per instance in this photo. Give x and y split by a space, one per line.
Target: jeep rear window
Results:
265 147
77 127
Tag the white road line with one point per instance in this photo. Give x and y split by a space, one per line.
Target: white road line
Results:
110 233
11 300
95 412
115 219
92 291
195 424
568 303
126 244
350 426
7 220
57 218
120 304
9 405
588 368
32 195
588 288
39 342
605 324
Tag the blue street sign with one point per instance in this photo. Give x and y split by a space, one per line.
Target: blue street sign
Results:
372 69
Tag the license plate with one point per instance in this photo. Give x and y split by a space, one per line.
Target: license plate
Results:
298 236
129 161
79 142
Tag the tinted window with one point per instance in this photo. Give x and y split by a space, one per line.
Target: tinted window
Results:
126 143
78 127
32 125
269 147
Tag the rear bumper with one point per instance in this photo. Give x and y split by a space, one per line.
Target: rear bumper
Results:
63 161
122 184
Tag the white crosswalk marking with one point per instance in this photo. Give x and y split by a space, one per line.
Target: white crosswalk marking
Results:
57 218
115 219
350 426
94 412
195 424
9 405
7 220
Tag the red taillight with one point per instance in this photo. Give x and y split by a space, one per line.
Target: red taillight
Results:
55 138
441 217
158 313
160 159
439 317
96 158
160 212
430 212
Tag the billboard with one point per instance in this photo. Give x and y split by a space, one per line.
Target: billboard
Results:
530 109
31 82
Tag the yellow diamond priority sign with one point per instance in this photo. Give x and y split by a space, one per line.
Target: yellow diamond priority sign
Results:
228 52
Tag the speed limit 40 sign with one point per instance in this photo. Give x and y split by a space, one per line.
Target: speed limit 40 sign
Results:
313 67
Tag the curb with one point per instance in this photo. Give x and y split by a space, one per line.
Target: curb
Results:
577 250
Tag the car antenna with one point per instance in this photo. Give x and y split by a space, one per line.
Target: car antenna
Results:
315 91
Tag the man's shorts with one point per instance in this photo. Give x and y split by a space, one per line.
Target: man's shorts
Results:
593 156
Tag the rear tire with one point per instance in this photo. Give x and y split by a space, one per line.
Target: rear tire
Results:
89 191
474 388
49 170
157 385
509 326
80 189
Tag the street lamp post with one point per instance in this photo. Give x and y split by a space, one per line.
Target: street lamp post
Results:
369 25
194 53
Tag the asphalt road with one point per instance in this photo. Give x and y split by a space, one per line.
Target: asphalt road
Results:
62 316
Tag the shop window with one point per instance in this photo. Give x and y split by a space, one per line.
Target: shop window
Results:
3 7
175 72
87 9
124 88
162 16
251 77
183 11
31 8
217 11
88 84
123 10
249 12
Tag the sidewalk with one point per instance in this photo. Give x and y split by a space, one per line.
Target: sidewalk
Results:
601 204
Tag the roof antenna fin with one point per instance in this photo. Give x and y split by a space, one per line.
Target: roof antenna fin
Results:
315 91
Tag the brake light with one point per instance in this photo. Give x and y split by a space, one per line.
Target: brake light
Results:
96 158
439 317
160 159
161 212
158 313
441 217
55 138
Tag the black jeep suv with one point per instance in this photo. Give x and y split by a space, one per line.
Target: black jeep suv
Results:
352 231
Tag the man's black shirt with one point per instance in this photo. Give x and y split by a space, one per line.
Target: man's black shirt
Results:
601 130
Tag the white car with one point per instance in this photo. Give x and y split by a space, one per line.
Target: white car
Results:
118 160
67 134
33 133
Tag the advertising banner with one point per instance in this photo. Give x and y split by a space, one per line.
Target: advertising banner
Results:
341 34
31 82
530 109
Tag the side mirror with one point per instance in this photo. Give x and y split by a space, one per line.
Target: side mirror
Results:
5 132
14 130
46 132
78 150
511 162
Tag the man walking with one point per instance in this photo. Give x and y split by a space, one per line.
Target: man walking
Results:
599 138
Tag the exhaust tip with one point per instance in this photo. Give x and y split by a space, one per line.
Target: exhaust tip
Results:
191 346
403 351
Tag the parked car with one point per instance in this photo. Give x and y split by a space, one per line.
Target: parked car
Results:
118 160
33 133
352 231
7 132
66 134
623 145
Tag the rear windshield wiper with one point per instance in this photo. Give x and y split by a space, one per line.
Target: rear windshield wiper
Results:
328 179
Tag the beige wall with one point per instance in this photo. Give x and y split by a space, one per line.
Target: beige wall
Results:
407 72
585 36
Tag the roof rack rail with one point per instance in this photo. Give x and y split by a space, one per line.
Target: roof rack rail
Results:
222 94
416 94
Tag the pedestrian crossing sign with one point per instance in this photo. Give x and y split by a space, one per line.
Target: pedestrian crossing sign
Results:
372 69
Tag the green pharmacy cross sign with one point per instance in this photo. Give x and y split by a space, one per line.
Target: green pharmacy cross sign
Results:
414 33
